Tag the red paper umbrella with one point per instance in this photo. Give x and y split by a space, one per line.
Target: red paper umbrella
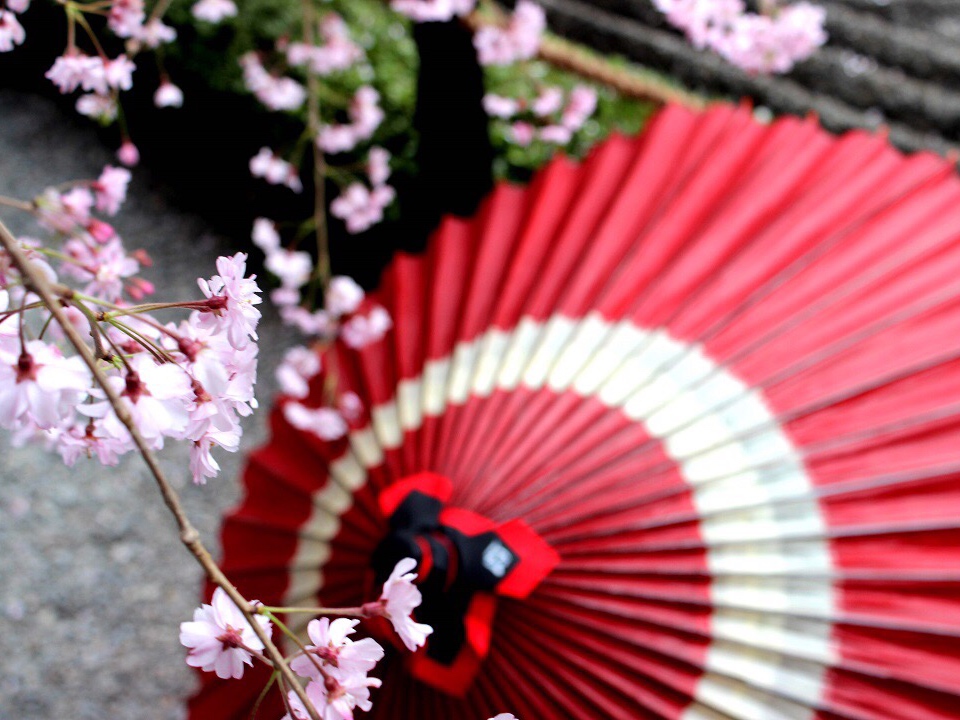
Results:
674 432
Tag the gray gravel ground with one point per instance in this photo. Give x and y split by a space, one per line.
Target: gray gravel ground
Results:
93 581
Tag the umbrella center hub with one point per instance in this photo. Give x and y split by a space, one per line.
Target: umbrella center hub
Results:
466 563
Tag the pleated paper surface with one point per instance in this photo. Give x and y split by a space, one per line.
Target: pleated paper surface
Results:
717 368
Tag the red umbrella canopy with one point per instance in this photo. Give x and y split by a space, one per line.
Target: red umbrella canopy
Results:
673 433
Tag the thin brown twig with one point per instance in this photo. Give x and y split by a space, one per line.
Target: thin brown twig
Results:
18 204
189 536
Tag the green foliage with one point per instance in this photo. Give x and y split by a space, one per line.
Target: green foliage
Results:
213 52
614 113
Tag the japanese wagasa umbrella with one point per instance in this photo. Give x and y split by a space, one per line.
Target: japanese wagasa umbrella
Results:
673 432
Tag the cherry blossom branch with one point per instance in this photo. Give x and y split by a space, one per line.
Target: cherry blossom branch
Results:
189 536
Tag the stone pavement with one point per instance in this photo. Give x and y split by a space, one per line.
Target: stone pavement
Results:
93 581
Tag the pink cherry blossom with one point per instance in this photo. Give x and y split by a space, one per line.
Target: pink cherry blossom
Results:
333 648
318 322
433 10
98 107
88 440
522 133
378 165
156 396
299 365
365 118
365 111
500 106
118 72
343 295
770 42
556 134
334 699
361 330
350 406
111 189
293 267
126 18
11 31
549 101
361 208
276 93
338 51
40 386
275 170
400 597
74 69
103 267
265 235
580 106
155 33
202 463
214 11
220 639
325 423
519 40
168 95
18 6
236 296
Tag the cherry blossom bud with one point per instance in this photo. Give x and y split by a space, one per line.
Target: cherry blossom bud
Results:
168 95
128 154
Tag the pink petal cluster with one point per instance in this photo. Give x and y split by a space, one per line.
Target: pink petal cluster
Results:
195 382
155 33
400 597
770 42
220 639
324 422
361 330
39 387
433 10
126 18
111 189
334 699
365 117
92 73
549 117
214 11
338 51
276 93
235 313
298 367
361 207
102 108
519 40
275 170
335 651
11 31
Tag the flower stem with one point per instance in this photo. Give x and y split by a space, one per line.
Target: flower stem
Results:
18 204
342 612
322 272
